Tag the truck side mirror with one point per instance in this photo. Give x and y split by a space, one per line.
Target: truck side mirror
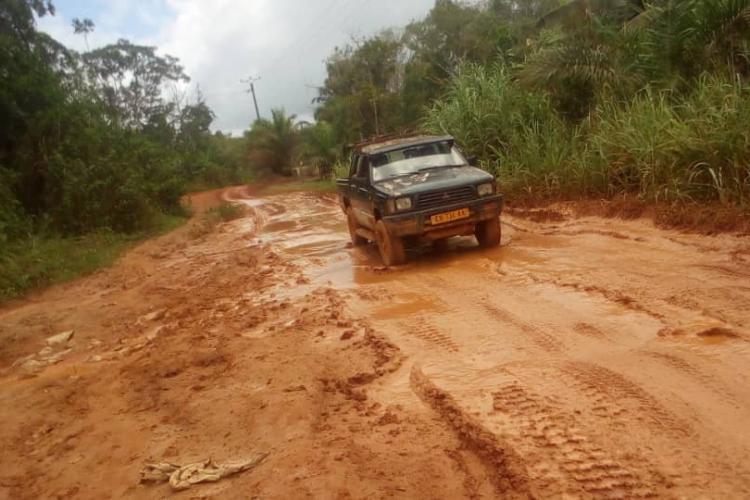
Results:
472 160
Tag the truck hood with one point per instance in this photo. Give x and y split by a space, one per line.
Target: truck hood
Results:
432 180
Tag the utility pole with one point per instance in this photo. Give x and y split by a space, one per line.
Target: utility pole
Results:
251 80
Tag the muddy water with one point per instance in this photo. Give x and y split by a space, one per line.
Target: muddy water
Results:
613 357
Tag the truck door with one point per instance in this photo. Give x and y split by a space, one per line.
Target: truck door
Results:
360 191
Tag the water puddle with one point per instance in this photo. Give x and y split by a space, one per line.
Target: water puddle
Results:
310 230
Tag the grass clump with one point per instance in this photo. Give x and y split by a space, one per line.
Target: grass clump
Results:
228 211
214 216
41 260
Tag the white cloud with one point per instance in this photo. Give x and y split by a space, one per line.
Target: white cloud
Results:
219 42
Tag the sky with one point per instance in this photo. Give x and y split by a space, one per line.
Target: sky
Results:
220 42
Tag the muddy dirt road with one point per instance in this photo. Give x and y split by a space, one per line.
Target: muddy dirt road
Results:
585 358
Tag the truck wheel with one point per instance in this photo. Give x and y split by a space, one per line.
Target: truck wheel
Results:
357 240
488 232
391 247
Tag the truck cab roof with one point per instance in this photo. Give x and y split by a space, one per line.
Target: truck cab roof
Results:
385 144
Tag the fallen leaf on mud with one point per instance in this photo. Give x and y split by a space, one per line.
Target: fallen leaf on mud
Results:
33 367
34 364
22 361
183 477
55 358
60 338
155 316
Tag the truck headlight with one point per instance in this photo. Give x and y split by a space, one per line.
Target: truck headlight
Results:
485 189
403 204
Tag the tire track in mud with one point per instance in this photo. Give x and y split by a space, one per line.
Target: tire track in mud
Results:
421 328
596 232
542 339
610 392
610 295
506 468
694 373
560 456
473 308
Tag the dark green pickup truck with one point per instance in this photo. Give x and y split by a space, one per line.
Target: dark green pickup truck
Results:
418 187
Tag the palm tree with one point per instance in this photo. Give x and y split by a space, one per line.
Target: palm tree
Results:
320 147
275 141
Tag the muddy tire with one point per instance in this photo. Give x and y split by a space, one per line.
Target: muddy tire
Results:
357 240
391 247
488 232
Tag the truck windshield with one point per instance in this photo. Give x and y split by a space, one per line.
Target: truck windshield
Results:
411 160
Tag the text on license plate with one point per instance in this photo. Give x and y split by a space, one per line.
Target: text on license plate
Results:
461 213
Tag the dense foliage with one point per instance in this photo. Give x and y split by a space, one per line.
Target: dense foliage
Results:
93 154
566 98
277 145
89 141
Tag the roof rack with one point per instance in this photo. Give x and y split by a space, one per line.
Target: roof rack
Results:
385 137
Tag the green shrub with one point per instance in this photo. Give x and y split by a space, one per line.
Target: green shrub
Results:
229 211
666 149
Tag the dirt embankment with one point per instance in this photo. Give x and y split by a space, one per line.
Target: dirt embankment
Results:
585 357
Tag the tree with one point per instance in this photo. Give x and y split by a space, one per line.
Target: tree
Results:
273 143
131 78
83 27
361 92
17 18
320 146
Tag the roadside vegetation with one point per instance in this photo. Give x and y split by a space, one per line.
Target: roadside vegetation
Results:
566 100
96 149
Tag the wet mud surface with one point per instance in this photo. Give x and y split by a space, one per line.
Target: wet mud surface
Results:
584 358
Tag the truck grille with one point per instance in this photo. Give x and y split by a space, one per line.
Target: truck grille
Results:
447 197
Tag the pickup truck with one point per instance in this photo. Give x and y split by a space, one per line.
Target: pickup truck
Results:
407 189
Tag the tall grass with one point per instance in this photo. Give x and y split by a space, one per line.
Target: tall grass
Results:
485 110
695 148
516 133
657 145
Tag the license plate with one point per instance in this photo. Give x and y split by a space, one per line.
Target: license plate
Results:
462 213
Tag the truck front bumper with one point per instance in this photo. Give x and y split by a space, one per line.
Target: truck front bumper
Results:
418 223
